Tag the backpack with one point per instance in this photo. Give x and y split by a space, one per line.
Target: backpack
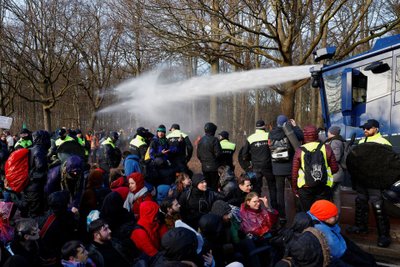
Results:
347 147
280 150
315 172
17 170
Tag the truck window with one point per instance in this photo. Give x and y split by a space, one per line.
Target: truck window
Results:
359 88
333 90
379 84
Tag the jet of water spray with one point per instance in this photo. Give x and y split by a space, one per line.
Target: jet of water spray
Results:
156 100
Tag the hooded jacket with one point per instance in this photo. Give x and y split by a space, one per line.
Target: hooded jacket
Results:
131 164
38 155
147 238
114 213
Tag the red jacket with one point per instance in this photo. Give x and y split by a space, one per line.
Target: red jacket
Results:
297 164
137 203
148 240
257 222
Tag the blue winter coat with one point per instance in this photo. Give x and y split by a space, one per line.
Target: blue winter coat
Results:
337 244
131 164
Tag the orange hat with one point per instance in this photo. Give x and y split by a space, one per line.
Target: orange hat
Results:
323 210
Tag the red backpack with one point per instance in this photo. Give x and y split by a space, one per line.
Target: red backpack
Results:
17 170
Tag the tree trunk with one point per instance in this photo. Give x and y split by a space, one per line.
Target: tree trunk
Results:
214 99
299 106
93 119
47 118
288 100
256 106
234 115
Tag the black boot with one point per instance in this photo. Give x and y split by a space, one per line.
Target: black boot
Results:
361 217
382 225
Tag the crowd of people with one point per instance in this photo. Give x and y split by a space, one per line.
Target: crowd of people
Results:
84 202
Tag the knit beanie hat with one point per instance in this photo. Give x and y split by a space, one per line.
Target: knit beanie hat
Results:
197 178
335 130
162 128
323 210
139 180
281 120
221 208
310 133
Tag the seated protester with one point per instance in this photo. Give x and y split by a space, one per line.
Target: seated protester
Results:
231 223
69 176
197 201
257 221
182 183
343 252
138 193
131 163
94 194
25 243
179 249
162 192
75 254
149 231
227 181
170 209
114 213
115 173
303 245
239 194
102 250
212 230
57 227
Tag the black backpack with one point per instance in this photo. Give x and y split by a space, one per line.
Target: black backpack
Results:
280 150
315 172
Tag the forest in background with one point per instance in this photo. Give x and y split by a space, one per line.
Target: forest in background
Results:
60 60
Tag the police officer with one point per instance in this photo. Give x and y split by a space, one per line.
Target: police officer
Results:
62 138
208 152
257 150
374 196
228 149
180 140
138 145
83 142
111 155
25 140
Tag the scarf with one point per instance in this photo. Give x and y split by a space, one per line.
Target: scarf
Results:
132 197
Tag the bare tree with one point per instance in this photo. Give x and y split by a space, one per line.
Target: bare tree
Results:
38 37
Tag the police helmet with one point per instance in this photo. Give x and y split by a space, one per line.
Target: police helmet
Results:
393 194
210 128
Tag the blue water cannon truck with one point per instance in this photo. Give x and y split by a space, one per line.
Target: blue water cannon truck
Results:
365 86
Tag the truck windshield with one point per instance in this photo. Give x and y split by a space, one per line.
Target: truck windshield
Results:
333 90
